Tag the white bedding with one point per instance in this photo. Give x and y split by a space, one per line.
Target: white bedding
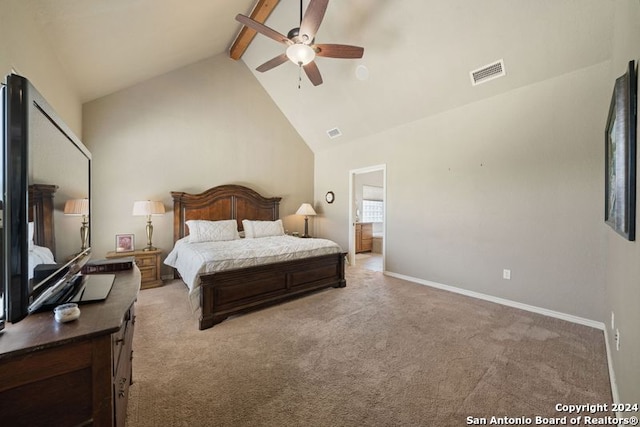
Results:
193 259
39 255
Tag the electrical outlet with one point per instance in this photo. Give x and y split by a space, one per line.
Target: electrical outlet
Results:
613 321
506 274
617 340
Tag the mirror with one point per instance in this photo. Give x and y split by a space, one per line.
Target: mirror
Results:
56 160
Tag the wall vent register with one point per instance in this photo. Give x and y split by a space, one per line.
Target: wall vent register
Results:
487 72
334 133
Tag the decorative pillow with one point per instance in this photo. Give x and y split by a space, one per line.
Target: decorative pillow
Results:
247 228
212 231
256 229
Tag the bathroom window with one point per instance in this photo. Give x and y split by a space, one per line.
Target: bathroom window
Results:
372 211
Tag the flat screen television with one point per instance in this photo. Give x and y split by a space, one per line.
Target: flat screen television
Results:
44 165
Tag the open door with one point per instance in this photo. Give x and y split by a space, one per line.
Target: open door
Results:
367 217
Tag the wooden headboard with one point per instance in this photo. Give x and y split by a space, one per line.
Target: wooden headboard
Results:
222 202
41 214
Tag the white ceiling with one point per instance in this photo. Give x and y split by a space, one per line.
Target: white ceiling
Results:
418 52
107 45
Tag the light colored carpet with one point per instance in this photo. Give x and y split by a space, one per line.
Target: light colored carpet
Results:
380 352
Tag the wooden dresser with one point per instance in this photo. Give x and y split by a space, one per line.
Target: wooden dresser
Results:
364 237
70 374
149 264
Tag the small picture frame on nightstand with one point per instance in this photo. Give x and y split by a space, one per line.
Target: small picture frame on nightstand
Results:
125 242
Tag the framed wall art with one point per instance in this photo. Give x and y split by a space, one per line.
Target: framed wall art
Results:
620 156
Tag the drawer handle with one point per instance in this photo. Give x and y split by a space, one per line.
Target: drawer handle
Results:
120 341
123 383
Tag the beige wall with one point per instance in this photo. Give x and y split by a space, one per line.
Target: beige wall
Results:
25 49
623 266
203 125
512 182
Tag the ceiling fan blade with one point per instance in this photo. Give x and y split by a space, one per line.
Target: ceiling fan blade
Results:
273 63
312 20
263 29
312 71
338 51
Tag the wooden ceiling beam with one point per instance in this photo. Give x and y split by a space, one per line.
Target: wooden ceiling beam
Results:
260 13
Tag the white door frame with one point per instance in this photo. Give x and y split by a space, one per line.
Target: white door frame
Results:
351 256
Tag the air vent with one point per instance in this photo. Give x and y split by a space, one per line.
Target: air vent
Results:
488 72
334 133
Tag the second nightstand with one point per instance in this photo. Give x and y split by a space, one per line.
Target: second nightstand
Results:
149 264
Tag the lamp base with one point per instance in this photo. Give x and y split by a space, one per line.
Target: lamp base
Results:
149 248
306 235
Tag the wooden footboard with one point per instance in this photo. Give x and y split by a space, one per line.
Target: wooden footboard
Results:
237 291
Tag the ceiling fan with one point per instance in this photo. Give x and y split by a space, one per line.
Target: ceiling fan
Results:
301 49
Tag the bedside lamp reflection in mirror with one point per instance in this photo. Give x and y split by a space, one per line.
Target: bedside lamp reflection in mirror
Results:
79 207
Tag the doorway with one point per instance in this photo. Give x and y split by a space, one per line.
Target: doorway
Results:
367 217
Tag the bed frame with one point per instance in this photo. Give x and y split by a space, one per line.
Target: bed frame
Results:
231 292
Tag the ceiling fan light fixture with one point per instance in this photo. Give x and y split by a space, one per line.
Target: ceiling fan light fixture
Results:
301 49
300 54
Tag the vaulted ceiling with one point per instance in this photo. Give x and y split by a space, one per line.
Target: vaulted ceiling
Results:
418 53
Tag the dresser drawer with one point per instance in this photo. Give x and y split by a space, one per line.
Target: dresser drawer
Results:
122 358
148 263
121 340
145 261
148 274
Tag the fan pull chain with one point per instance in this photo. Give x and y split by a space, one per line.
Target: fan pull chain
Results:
300 63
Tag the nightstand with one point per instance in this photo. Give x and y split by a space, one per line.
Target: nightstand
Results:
149 264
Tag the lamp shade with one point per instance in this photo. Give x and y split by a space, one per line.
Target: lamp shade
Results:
76 207
147 207
306 209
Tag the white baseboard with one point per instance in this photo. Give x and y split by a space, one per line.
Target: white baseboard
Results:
612 374
502 301
532 308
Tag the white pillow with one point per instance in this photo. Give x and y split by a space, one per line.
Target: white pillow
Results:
212 231
256 229
31 233
247 228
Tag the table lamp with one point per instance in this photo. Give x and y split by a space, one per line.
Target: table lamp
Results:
307 210
148 208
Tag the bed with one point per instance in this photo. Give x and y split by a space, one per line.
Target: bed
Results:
235 290
42 243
